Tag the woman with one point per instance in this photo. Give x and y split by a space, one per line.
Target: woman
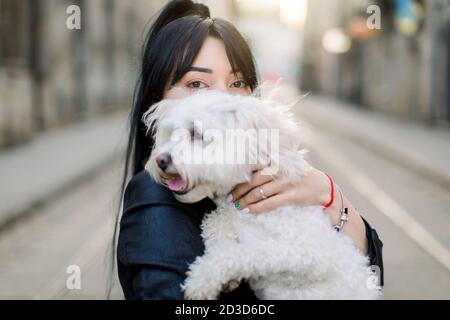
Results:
159 237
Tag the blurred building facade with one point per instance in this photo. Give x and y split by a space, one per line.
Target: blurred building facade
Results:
51 76
273 28
402 69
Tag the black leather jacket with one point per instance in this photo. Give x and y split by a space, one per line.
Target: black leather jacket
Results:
159 237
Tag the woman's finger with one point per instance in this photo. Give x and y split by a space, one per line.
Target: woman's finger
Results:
279 200
269 189
242 189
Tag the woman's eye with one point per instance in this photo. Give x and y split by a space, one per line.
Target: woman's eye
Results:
239 84
196 85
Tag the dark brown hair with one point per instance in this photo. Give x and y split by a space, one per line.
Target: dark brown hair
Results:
171 46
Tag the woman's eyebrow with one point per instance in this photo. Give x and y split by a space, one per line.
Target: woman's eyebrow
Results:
205 70
200 69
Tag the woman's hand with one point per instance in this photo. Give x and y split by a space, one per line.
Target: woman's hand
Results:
264 193
313 189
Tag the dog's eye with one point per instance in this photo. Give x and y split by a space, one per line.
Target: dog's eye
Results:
197 135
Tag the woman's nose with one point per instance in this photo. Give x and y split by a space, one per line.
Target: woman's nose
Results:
222 87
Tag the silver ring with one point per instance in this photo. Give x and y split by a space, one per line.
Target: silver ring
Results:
263 195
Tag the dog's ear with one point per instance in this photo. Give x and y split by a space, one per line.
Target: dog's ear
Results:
279 157
158 110
154 114
286 152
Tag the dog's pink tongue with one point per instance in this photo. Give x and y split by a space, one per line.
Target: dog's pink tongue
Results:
176 184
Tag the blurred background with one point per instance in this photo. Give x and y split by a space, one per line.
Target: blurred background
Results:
375 76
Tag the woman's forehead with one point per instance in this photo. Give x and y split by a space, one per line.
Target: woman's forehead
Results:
212 57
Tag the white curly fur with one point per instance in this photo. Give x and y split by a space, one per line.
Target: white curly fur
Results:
288 253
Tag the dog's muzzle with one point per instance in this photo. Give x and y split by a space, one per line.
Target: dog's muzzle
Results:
164 160
175 183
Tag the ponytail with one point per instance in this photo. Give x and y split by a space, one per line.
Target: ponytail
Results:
176 9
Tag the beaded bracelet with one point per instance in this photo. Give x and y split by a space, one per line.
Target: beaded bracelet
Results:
344 215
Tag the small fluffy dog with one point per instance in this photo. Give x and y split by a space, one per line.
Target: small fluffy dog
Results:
288 253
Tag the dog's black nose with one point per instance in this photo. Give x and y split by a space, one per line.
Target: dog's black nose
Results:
163 160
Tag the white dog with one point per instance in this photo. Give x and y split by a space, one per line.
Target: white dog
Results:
288 253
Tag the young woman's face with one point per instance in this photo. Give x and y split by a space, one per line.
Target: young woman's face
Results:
211 70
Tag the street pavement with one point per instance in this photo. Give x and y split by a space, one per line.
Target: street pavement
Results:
55 161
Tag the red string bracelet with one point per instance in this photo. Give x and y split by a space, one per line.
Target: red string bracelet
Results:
332 192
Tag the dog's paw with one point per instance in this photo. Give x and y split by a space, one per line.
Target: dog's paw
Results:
207 291
201 289
199 293
230 286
